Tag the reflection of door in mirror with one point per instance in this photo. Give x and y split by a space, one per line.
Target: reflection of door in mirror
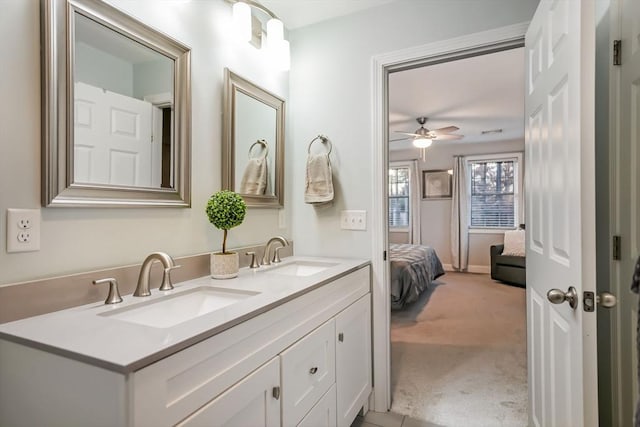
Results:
254 121
123 93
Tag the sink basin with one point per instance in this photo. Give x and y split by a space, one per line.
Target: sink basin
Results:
178 308
301 268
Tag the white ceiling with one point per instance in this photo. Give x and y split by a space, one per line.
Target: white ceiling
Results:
479 93
299 13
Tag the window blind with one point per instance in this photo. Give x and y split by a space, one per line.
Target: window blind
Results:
493 200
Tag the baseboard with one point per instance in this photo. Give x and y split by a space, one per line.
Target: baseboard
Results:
481 269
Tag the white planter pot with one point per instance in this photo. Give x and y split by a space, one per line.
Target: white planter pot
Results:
224 266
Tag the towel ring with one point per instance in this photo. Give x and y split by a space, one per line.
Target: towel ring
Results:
260 142
323 139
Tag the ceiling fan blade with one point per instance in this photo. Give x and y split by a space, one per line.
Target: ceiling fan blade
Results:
407 133
399 139
447 129
448 137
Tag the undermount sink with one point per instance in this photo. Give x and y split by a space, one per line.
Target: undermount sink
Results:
171 310
301 268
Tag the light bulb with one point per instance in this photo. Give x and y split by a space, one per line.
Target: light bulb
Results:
275 33
242 21
422 142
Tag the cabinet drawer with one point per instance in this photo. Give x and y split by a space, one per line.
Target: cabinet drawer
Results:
324 413
308 371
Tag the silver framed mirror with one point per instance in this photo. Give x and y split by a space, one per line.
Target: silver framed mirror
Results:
253 142
116 110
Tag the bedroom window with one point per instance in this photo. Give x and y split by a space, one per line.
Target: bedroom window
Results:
399 180
494 192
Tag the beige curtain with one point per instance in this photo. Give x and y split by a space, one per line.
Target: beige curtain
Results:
460 215
415 235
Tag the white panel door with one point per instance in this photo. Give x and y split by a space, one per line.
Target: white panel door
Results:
625 361
560 165
112 138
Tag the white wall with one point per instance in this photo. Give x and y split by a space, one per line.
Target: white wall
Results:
103 70
76 239
330 89
436 214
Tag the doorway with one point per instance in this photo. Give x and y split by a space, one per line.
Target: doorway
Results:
458 340
383 66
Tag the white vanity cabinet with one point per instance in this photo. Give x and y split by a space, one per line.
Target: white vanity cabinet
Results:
251 402
353 333
305 361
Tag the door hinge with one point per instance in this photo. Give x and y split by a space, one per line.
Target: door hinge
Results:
617 56
276 392
615 244
384 255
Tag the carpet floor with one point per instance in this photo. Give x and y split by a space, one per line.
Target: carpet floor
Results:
458 355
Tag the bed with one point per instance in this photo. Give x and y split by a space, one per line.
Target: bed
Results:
413 269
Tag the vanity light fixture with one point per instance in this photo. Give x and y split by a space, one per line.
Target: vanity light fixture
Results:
276 46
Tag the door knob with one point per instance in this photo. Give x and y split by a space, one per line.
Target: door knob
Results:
556 296
606 299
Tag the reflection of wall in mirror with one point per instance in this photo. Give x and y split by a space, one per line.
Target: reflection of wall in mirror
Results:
103 70
254 120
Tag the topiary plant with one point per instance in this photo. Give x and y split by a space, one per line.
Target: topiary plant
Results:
226 210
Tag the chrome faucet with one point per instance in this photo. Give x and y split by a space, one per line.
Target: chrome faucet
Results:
142 290
276 256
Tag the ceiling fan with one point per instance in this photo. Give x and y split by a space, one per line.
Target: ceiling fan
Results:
423 137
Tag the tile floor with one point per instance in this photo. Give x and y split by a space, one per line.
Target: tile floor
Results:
389 419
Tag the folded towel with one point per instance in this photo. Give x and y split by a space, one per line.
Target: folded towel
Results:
318 182
255 177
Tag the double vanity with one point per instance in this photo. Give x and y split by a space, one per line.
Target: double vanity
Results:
287 344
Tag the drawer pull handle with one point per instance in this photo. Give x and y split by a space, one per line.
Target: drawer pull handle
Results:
340 337
313 370
276 393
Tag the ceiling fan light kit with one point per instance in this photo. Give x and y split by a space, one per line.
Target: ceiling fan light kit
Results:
423 137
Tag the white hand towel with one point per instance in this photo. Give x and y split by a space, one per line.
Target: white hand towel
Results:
255 177
318 182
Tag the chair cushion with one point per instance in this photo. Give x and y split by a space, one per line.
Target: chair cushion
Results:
514 243
514 261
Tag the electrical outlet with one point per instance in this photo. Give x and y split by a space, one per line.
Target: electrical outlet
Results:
23 230
24 237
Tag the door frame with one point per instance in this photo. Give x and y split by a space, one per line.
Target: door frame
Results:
382 65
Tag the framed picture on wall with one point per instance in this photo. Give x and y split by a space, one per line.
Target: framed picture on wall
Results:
436 184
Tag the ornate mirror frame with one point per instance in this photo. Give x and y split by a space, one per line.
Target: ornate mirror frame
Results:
234 84
57 33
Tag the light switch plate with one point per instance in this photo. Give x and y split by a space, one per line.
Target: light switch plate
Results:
353 220
23 230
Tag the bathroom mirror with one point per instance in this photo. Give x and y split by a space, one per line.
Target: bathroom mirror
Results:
253 143
116 109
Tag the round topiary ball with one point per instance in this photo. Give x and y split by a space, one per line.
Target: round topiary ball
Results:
226 209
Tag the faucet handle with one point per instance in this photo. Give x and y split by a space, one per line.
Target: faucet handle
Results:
114 295
254 261
276 255
166 279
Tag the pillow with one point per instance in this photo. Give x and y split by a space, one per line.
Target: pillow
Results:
514 243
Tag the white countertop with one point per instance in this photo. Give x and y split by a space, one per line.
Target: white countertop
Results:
84 333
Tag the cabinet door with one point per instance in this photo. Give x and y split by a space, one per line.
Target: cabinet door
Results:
353 359
324 413
254 401
308 371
